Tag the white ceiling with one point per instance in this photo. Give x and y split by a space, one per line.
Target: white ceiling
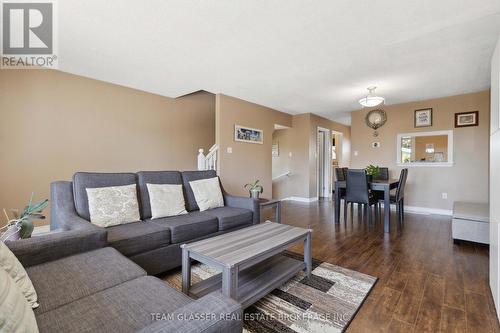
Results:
295 56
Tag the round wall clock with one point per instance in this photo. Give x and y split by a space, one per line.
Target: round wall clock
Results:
376 119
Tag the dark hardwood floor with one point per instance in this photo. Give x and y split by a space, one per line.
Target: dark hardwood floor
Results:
426 283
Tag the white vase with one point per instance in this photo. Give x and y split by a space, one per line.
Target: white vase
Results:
254 194
12 233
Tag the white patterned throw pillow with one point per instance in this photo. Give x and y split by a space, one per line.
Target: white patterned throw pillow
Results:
109 206
166 200
11 265
16 315
207 193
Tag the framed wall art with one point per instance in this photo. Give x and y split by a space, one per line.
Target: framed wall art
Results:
247 134
466 119
423 117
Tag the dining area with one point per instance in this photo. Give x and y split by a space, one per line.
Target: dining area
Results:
373 190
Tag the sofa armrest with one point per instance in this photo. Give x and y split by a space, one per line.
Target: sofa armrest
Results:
244 202
209 314
55 245
63 215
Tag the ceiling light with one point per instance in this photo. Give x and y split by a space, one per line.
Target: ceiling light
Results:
371 99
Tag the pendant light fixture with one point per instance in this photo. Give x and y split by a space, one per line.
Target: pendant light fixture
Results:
371 99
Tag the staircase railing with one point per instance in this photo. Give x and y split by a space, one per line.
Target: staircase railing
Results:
286 174
209 161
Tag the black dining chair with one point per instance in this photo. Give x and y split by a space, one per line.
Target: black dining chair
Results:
339 172
398 197
382 175
357 191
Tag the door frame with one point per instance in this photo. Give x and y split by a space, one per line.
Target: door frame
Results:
327 165
340 144
339 151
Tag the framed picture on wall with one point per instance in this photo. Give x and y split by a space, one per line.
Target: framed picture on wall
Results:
423 117
466 119
247 134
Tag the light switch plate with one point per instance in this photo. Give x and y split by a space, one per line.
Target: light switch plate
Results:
229 150
355 153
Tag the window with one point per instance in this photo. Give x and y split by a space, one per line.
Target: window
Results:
406 144
425 149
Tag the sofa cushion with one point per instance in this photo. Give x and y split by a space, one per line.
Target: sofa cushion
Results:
207 193
187 227
12 266
84 180
123 308
231 217
114 205
166 200
189 176
138 237
66 280
154 177
16 314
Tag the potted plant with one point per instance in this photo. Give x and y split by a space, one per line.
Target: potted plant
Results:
21 226
371 171
255 189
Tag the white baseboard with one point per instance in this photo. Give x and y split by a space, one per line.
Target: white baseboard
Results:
425 210
408 209
301 199
41 230
428 211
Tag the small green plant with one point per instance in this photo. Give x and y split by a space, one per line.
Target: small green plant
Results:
254 187
24 221
372 170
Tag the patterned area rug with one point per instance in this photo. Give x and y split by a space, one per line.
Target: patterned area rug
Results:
327 302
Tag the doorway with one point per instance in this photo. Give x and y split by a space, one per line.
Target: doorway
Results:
337 151
324 156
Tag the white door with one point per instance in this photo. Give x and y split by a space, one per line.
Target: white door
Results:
324 147
321 163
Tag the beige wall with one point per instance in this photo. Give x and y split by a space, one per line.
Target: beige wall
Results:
466 180
297 185
54 124
301 141
283 163
248 161
315 122
439 142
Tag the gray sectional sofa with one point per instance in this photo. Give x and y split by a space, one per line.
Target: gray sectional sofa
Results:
152 244
83 286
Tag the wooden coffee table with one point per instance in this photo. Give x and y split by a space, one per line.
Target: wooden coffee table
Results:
250 260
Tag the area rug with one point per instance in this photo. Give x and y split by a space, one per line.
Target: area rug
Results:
326 302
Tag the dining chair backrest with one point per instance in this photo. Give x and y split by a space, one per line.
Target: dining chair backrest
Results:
357 186
344 170
383 174
339 172
400 191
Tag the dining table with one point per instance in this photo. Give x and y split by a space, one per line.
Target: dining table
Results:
383 185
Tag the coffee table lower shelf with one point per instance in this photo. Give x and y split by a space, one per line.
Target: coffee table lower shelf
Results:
254 282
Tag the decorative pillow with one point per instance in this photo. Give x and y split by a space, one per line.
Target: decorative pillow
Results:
207 193
11 265
166 200
16 315
113 205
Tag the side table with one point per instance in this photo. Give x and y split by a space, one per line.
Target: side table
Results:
270 203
